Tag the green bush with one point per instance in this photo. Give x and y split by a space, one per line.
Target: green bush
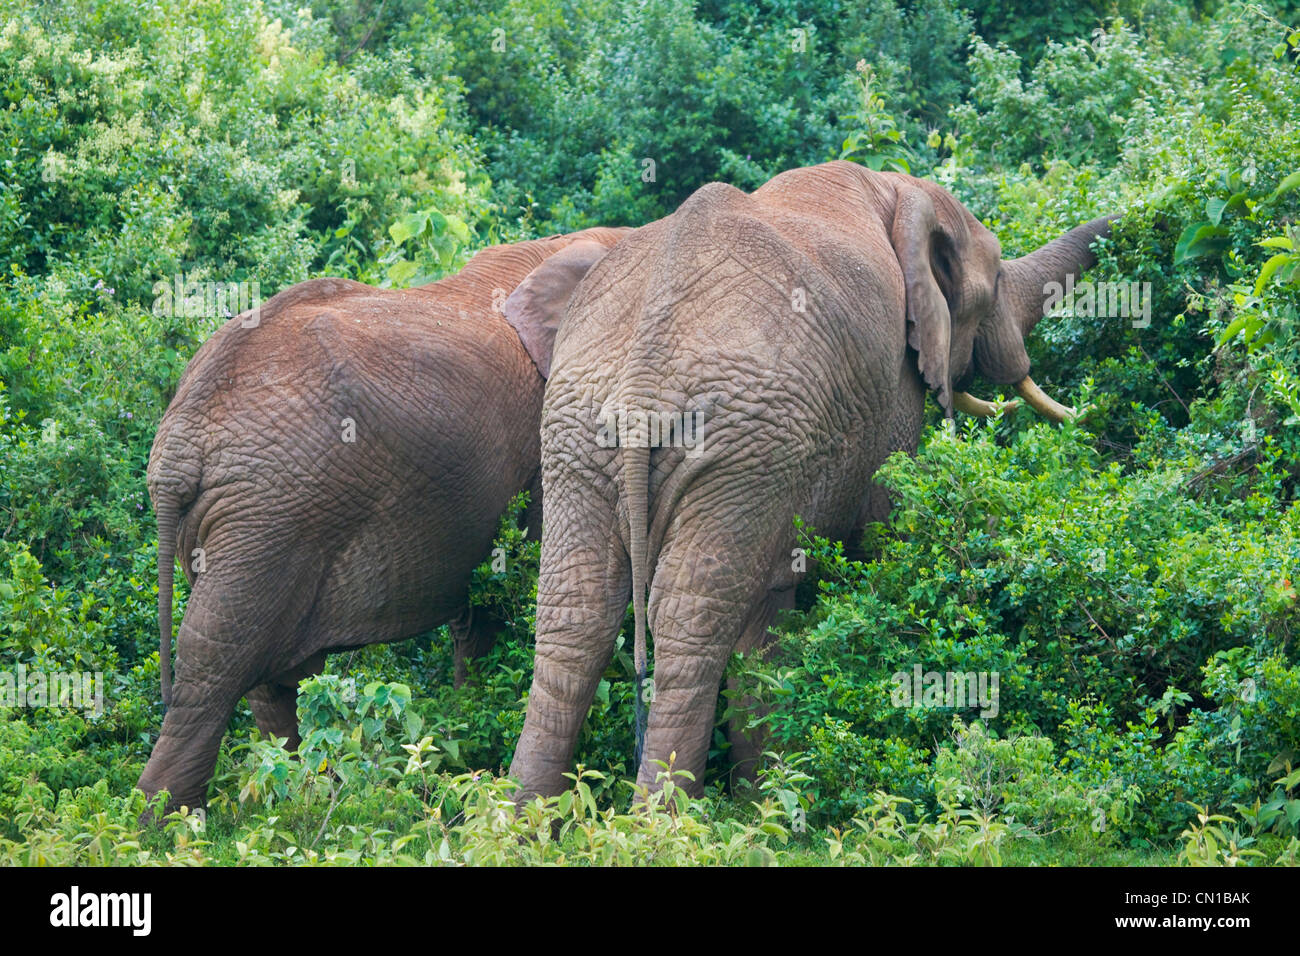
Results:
1091 592
1129 578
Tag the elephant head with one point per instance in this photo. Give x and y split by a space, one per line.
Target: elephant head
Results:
969 310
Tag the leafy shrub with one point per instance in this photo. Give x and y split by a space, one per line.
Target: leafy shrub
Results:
1088 591
1129 578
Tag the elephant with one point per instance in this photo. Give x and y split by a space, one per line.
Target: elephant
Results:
332 467
760 355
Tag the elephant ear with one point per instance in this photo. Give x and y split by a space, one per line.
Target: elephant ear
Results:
919 244
536 306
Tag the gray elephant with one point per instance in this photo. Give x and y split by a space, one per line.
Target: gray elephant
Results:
331 469
759 357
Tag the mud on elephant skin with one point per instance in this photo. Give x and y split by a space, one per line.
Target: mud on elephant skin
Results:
804 324
331 469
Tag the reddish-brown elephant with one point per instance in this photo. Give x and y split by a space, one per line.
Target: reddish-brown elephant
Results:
331 469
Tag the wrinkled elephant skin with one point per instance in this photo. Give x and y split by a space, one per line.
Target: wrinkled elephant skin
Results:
802 325
331 469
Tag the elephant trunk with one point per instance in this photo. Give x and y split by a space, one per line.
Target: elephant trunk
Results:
1026 281
1025 286
167 515
636 481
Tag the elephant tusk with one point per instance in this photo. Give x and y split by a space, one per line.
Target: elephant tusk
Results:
1042 403
968 403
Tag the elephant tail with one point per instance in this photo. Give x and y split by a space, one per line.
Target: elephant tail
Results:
636 482
167 513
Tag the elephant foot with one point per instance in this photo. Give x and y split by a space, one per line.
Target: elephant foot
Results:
156 811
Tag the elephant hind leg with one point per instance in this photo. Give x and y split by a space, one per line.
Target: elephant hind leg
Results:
275 703
236 627
582 595
747 744
472 635
212 674
706 602
275 708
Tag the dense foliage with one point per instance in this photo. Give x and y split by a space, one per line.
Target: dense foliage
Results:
1129 577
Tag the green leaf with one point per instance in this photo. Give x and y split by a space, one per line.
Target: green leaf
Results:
1286 185
1215 207
410 226
1230 333
760 855
1269 268
400 231
1200 239
400 272
456 226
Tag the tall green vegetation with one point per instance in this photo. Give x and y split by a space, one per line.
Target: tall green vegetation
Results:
1130 578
